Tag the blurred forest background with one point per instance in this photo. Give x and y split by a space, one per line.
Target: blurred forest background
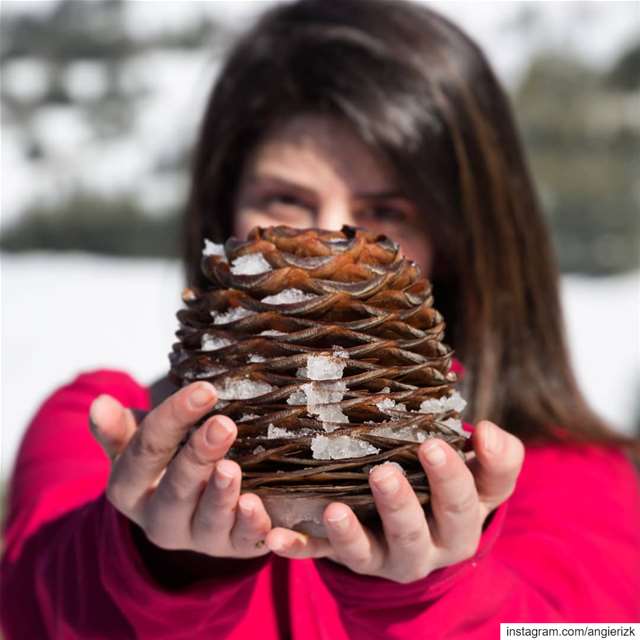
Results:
99 114
100 103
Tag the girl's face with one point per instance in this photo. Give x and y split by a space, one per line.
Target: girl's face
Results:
313 171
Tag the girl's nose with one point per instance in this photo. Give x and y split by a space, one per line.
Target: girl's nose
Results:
334 214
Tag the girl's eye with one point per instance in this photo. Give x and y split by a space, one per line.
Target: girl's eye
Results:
384 214
285 208
284 199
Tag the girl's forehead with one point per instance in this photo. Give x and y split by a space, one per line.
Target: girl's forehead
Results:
320 148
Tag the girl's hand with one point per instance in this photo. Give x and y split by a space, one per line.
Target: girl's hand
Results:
413 545
190 501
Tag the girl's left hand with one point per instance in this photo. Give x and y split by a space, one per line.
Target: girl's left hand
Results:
413 544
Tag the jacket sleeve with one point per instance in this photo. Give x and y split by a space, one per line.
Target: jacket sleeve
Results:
71 567
564 548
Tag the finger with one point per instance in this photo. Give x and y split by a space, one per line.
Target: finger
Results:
499 458
456 508
111 424
403 520
155 441
295 544
252 525
215 514
352 545
177 495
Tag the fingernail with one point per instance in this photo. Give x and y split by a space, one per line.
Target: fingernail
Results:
217 432
92 410
491 439
222 478
201 396
339 522
247 509
385 482
434 454
277 546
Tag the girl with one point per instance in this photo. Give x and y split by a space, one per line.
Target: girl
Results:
379 114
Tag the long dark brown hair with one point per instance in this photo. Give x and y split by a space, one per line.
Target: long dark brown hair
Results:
418 90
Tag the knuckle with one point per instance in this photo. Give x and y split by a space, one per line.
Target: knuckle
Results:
179 487
145 446
405 538
192 454
220 501
215 504
462 505
207 519
395 506
202 523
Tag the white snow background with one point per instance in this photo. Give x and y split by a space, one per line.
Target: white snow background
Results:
67 313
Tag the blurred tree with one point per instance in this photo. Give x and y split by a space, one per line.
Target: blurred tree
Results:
625 74
73 29
584 142
87 222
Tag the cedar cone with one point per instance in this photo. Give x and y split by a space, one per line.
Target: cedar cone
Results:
326 351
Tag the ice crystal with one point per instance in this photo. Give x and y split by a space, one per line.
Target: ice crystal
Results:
289 296
297 397
250 264
278 432
213 249
454 402
233 314
410 434
242 389
321 367
339 447
455 425
212 343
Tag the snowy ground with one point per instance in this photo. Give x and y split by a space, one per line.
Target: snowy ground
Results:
62 314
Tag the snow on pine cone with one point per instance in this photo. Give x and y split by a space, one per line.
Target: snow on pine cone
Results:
326 350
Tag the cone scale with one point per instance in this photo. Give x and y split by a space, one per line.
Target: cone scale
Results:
327 352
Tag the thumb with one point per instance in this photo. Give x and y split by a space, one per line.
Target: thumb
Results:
111 424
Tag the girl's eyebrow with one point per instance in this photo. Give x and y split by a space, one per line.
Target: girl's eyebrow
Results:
380 194
282 182
273 180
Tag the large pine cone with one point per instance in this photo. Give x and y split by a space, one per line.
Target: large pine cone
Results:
326 350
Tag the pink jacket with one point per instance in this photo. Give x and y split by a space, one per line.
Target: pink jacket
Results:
564 548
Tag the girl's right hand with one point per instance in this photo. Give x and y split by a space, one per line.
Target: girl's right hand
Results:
191 501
